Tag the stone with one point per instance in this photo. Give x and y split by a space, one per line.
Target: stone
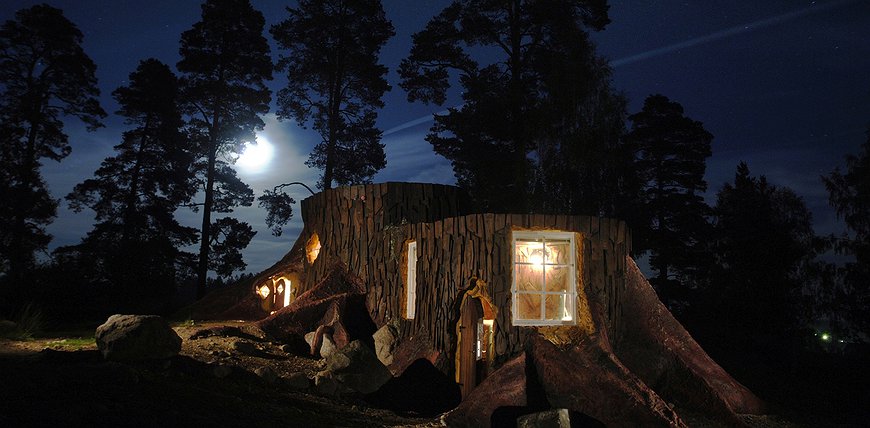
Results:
555 418
297 380
327 347
356 367
385 342
137 337
309 337
244 347
266 373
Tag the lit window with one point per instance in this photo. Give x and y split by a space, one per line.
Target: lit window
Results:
411 281
544 280
312 248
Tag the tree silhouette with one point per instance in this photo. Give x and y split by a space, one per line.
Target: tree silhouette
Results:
225 61
489 138
44 76
765 254
849 194
336 83
135 242
672 152
583 165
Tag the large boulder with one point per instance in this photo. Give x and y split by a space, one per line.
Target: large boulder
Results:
385 342
356 366
137 337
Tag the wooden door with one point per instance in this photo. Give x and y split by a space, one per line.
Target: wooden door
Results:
470 315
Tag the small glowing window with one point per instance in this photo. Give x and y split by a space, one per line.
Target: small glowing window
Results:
411 281
312 248
544 281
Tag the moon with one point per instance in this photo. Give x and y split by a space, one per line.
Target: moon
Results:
256 156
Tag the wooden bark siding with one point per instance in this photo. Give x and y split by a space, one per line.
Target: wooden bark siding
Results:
366 227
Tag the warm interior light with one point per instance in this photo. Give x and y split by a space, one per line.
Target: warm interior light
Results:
312 248
281 287
264 291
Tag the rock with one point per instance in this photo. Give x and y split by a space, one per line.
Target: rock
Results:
385 342
356 367
221 371
287 349
246 348
328 346
266 373
309 338
297 380
556 418
137 337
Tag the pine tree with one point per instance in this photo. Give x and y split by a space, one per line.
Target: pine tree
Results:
335 83
849 194
135 193
765 251
672 152
225 63
45 77
489 138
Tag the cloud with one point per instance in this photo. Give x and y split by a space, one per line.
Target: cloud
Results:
729 32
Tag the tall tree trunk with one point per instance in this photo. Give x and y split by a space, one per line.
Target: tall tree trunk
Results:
519 196
205 232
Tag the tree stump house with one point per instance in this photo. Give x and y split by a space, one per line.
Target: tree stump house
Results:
555 301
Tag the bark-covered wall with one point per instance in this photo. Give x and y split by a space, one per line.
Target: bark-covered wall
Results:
366 227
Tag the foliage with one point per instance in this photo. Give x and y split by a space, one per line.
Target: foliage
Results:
672 151
279 207
765 251
45 76
29 321
229 237
134 244
225 63
336 83
508 104
849 194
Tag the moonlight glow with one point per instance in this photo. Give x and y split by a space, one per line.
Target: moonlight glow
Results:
256 155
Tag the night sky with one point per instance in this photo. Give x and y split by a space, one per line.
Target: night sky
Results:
782 84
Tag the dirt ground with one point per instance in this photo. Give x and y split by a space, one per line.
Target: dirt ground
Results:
64 381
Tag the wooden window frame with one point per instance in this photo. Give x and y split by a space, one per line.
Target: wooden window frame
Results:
571 293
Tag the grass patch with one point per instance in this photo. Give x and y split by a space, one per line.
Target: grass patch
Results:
74 343
28 322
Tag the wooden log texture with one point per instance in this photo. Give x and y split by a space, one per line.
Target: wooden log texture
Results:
366 227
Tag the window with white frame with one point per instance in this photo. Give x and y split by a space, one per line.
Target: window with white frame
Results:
411 281
544 278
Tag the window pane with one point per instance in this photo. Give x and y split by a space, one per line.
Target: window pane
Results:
528 306
529 251
558 278
529 278
558 252
558 307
